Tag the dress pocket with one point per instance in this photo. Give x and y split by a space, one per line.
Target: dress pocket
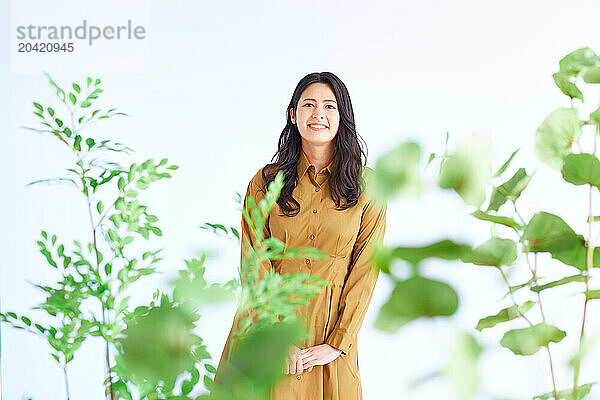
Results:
348 364
329 295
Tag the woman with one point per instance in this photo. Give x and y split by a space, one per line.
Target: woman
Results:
323 204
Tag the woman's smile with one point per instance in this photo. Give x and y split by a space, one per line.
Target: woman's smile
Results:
317 127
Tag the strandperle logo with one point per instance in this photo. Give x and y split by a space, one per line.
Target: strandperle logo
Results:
83 32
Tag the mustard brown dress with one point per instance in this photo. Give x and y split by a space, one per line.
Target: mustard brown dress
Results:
335 315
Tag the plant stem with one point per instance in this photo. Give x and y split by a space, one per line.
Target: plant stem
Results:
588 264
66 381
534 276
108 367
512 297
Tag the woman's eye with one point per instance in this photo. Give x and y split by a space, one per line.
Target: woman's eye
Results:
330 105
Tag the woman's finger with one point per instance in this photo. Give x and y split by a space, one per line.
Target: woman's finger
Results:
299 367
309 357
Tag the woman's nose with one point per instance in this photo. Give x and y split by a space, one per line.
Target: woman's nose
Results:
318 114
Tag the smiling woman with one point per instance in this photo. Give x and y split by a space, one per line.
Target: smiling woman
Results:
320 156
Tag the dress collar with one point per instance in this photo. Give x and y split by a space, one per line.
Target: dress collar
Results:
304 164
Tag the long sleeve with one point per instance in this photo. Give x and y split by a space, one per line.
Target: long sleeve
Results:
360 282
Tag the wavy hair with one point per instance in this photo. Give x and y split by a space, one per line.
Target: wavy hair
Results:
345 180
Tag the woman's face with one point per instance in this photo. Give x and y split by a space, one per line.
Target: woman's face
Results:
318 116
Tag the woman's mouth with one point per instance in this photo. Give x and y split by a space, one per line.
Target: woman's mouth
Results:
317 127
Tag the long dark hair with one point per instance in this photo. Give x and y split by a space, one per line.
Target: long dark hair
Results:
346 179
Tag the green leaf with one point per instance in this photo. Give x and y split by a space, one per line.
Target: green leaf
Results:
414 298
573 63
467 171
495 252
582 169
121 183
592 75
76 87
257 362
592 294
100 207
89 81
554 137
595 116
38 106
567 394
85 104
210 368
527 341
514 288
573 278
506 164
431 158
397 172
167 330
141 184
547 232
77 143
510 190
511 223
461 370
51 111
113 235
445 249
58 122
566 86
72 98
504 315
90 142
97 82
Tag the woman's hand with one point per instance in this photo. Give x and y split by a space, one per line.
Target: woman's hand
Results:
293 364
318 355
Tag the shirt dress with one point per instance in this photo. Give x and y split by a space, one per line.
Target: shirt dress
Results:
336 313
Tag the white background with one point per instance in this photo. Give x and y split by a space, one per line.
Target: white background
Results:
213 100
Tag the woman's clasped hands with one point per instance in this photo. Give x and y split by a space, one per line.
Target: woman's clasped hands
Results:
300 360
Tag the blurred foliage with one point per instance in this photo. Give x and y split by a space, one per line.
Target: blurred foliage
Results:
466 169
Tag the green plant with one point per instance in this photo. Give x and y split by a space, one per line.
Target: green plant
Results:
467 171
147 349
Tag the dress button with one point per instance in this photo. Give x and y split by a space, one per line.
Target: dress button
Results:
317 189
312 236
307 261
350 345
298 377
315 211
